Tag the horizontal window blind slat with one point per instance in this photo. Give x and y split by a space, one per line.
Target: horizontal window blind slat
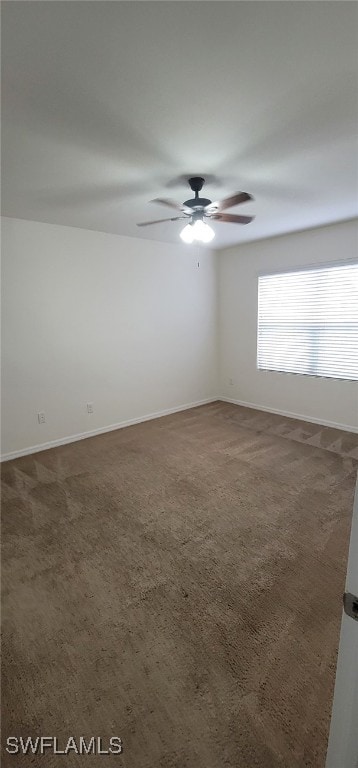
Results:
308 322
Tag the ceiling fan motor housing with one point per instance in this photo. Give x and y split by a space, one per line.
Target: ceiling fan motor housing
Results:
197 202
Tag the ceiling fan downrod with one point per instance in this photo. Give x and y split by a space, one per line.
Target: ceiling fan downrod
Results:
196 184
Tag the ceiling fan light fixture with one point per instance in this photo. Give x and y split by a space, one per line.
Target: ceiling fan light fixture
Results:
203 232
198 231
187 234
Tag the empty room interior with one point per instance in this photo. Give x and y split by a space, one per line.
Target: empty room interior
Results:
179 380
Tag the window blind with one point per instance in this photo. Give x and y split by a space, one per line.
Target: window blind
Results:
308 322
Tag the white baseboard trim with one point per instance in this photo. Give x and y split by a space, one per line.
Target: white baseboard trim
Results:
290 415
102 430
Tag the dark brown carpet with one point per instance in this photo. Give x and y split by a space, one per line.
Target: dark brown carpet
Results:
179 584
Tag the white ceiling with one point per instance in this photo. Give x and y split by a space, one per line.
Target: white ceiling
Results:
106 105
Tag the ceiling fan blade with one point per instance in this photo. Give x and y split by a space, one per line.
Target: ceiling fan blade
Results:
231 217
229 202
159 221
172 204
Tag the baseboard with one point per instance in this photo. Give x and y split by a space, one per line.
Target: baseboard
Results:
290 415
102 430
157 415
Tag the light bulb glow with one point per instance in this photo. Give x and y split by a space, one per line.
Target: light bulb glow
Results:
203 232
198 231
187 234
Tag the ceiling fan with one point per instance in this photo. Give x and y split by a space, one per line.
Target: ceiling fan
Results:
197 209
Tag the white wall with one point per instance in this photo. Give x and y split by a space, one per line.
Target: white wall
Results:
127 324
131 325
317 399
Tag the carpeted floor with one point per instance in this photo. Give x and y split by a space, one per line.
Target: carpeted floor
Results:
178 584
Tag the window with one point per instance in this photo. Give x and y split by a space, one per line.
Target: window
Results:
308 322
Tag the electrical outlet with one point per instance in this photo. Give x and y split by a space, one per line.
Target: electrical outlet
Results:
89 407
41 418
